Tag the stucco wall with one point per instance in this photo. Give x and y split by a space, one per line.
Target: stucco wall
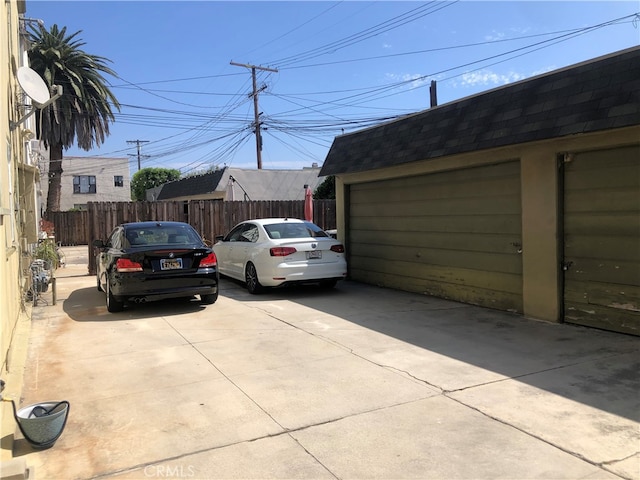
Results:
541 256
14 311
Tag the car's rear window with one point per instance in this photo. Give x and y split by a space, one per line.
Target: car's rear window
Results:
294 230
162 235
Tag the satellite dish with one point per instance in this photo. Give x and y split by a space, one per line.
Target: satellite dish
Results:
33 85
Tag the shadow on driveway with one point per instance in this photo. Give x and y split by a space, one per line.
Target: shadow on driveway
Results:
88 305
594 367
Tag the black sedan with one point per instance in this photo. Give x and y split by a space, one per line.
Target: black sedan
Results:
147 261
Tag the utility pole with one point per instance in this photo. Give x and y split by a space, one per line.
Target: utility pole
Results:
139 154
433 94
256 115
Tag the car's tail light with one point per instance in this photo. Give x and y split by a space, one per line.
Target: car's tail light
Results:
209 261
337 248
127 265
281 251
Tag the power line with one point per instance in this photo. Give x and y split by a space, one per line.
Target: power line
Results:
222 130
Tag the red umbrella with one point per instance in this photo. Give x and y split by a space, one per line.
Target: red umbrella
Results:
308 204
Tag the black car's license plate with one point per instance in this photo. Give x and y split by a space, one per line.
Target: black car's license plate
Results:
170 263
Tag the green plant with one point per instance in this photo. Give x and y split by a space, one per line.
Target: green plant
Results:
46 250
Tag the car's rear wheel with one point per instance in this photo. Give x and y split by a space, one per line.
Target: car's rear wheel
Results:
209 299
251 279
328 284
113 305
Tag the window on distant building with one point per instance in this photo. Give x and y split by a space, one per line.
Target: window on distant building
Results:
84 184
118 181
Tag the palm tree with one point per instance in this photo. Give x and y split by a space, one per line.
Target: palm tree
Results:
83 113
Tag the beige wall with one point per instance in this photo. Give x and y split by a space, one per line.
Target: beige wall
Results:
540 256
15 217
540 204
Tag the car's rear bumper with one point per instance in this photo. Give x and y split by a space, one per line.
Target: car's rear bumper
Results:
286 274
143 288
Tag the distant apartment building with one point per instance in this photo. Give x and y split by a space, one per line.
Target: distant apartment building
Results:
89 179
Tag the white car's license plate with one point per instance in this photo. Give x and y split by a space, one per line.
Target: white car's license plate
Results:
170 263
314 254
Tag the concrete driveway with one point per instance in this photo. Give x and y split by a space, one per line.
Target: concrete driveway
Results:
355 383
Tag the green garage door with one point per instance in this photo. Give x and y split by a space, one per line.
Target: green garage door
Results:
455 235
602 239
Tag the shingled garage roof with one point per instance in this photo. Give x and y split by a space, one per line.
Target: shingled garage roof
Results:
597 95
196 185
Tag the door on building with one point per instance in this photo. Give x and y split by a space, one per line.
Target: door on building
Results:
454 234
601 253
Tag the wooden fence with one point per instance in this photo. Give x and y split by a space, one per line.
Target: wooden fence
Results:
70 228
210 218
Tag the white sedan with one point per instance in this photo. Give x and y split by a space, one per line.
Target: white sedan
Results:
273 252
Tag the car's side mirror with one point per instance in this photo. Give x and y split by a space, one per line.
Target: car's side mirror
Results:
98 243
219 238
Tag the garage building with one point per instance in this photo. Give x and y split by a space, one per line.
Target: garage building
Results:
525 198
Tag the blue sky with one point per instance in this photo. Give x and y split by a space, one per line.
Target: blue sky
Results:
342 66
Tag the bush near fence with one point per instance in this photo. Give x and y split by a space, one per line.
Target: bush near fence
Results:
210 218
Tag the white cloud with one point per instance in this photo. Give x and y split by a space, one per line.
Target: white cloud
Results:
513 31
488 78
543 70
493 36
386 45
414 79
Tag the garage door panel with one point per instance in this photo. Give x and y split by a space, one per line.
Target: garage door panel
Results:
415 190
481 261
586 223
619 171
498 281
609 247
618 175
598 270
602 317
478 293
419 241
447 179
601 201
496 204
508 224
622 297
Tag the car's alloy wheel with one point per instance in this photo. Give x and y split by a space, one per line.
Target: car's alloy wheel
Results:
113 305
251 278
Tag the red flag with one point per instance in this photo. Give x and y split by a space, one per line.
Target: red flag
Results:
308 204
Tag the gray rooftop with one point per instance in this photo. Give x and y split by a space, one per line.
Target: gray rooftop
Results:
600 94
258 184
195 185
